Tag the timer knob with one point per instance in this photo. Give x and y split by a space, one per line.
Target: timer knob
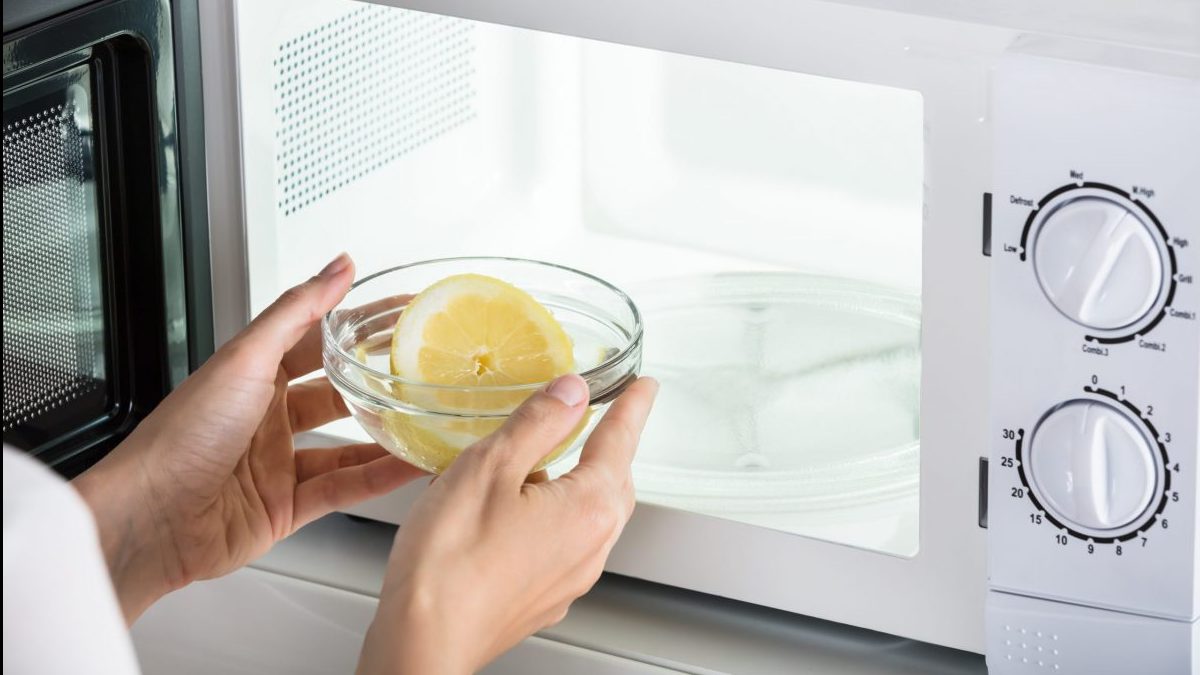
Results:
1098 262
1092 467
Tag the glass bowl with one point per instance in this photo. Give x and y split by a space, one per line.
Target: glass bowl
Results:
428 425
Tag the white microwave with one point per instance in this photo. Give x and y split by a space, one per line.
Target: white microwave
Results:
919 281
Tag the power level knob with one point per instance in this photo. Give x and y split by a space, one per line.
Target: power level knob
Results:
1098 261
1093 467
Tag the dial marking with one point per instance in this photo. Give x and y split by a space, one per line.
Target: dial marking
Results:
1143 527
1140 211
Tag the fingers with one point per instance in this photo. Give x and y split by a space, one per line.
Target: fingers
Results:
317 461
373 318
533 430
378 316
314 403
287 322
305 356
341 488
610 448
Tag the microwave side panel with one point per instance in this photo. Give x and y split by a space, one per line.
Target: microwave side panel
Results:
1077 142
936 595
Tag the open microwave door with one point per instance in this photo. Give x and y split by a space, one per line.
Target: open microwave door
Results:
105 239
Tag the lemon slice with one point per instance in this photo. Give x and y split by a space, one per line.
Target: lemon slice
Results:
471 331
432 443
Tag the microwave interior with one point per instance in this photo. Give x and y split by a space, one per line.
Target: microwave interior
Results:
768 224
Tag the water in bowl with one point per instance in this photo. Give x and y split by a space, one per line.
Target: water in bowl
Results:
433 441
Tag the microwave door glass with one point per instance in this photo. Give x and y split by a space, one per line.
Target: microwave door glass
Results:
55 357
767 223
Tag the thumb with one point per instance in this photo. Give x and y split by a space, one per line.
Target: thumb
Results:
280 326
534 429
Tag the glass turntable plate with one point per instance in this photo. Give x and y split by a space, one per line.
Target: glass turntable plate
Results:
789 401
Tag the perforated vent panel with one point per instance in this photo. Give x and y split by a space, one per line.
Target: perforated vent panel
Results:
363 90
53 322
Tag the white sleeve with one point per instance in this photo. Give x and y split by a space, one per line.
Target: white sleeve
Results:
60 611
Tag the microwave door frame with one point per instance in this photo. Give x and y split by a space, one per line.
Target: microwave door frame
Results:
937 595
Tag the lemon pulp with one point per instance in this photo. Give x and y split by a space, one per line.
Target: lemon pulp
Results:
471 330
465 332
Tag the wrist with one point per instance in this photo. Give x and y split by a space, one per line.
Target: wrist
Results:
408 636
128 536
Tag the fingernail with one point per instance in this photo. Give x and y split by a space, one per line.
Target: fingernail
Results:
335 266
570 389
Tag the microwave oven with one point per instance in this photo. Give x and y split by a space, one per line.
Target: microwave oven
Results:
918 283
918 279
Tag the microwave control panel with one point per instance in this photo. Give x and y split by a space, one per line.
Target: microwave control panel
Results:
1095 310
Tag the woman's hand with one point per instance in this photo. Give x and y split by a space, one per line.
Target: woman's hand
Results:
210 479
486 558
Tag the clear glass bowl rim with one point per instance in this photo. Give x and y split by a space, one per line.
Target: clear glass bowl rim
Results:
629 347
